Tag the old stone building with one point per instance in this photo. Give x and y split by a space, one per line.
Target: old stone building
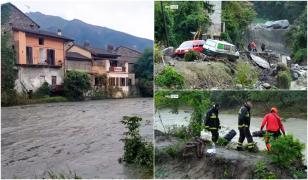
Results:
40 55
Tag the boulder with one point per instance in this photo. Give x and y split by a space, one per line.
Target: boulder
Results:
266 85
294 76
169 51
280 24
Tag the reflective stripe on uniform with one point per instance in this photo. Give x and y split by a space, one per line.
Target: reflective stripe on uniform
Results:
213 128
240 126
213 117
239 144
251 146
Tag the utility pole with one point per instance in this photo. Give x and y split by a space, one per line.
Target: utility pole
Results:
165 24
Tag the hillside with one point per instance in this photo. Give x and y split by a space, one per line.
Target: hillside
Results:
97 36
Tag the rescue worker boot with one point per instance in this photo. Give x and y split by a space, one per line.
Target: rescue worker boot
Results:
239 148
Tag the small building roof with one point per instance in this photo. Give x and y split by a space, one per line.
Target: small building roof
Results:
99 52
43 33
76 56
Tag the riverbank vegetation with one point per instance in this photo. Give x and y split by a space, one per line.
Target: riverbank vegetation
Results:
136 150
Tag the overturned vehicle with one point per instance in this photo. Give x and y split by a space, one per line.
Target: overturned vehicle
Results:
217 48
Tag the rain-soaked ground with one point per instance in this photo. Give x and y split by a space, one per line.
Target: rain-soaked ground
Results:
82 137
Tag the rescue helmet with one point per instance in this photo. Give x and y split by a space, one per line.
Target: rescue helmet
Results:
249 104
274 109
216 106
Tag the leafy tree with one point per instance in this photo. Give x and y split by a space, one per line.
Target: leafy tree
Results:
237 15
144 72
181 22
277 10
76 84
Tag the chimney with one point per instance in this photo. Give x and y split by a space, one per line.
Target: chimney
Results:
109 47
86 44
59 32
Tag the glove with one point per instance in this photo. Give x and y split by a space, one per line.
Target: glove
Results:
219 127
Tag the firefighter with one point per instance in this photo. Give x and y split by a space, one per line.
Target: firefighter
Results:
212 122
273 127
243 126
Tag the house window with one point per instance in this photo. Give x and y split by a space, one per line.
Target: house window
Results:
53 80
41 41
112 81
51 56
29 55
122 81
129 82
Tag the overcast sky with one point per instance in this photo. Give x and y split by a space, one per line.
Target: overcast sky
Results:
130 16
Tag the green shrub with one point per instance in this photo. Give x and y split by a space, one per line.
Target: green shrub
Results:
245 75
286 150
136 150
157 54
191 56
98 94
169 78
261 172
76 84
42 91
300 55
284 80
222 141
180 132
225 37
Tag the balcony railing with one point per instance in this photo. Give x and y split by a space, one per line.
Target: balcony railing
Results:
117 69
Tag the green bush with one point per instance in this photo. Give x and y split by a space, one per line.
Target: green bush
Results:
245 75
191 56
136 150
157 54
222 141
300 55
225 37
284 80
169 78
286 150
261 172
76 84
180 132
99 94
42 91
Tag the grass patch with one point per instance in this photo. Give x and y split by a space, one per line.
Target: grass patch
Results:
262 172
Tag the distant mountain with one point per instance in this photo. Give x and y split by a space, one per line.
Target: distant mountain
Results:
81 32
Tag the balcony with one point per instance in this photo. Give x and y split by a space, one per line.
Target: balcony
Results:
117 69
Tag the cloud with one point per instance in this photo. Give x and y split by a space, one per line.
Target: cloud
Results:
133 17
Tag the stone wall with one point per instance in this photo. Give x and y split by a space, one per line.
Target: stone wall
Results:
33 77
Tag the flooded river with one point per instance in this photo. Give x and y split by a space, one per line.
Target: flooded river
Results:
83 137
295 126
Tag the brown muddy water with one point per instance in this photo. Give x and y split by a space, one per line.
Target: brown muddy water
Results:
295 126
82 137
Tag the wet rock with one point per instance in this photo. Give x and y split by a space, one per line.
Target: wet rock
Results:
294 76
280 24
266 85
169 51
239 86
158 133
260 61
171 63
